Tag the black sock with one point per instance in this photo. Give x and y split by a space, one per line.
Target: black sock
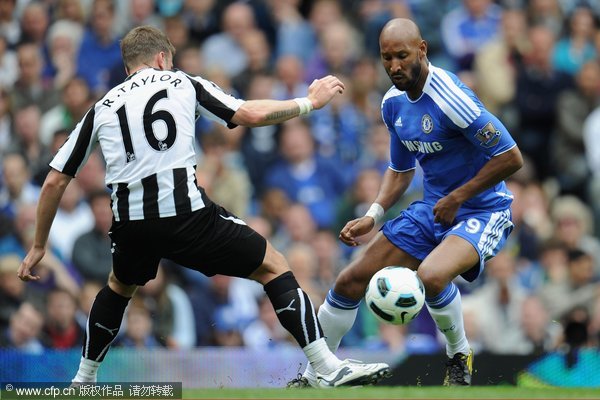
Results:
294 309
103 323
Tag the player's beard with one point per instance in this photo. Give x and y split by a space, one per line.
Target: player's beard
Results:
413 77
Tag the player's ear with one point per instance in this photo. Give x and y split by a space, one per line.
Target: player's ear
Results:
423 49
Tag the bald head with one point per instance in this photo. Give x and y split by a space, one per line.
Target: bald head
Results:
401 29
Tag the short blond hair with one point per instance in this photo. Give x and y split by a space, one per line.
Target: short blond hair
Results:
142 43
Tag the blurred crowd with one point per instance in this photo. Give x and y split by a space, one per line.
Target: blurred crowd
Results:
535 64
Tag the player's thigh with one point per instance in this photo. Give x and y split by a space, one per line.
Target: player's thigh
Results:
214 241
465 247
379 253
452 257
135 260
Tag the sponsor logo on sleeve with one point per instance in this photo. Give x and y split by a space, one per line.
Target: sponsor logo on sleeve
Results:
488 136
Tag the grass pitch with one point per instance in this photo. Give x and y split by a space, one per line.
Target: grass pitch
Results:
398 392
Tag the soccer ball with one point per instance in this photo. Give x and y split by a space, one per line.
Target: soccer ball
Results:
395 295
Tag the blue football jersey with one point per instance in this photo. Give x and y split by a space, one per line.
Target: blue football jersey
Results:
449 131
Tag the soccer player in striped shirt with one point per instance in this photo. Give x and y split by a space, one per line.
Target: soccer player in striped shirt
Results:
145 129
464 217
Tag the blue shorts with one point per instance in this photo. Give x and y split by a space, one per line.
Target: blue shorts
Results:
415 232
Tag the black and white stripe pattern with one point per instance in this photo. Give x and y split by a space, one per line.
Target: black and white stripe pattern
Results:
164 194
146 130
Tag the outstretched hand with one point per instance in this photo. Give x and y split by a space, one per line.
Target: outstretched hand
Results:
355 228
321 91
29 262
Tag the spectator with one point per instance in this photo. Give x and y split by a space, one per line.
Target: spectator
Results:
61 330
171 310
223 182
99 50
298 226
87 294
237 21
578 290
91 251
546 13
9 23
499 306
495 65
574 227
70 10
466 29
591 140
141 12
274 204
34 23
76 101
256 46
63 41
91 176
227 330
73 218
29 87
539 85
27 124
294 35
138 327
9 65
5 120
303 263
12 289
330 259
266 332
258 145
23 333
17 188
201 19
304 176
336 52
53 272
577 47
542 334
359 198
568 149
179 34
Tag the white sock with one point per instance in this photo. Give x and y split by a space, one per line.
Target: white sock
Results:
320 357
336 322
87 372
449 320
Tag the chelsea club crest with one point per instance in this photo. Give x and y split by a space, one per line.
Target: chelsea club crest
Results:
426 123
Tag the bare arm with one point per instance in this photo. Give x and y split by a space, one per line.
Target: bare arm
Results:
494 171
52 191
392 188
269 112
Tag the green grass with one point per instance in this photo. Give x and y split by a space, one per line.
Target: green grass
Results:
382 392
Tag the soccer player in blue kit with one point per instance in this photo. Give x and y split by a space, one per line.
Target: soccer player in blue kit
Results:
464 218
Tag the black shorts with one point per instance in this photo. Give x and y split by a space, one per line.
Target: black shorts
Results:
210 240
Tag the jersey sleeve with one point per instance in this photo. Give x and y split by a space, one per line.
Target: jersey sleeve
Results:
401 159
75 151
213 103
486 131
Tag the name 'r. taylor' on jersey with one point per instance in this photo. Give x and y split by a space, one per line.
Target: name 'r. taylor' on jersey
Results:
146 128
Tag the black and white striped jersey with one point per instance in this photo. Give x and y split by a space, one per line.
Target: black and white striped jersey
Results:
145 127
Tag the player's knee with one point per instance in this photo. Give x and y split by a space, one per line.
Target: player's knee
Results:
119 287
274 264
434 282
350 284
